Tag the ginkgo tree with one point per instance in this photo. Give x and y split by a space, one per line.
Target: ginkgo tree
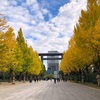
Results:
84 45
24 50
15 55
3 27
85 31
31 62
2 52
3 23
12 53
36 65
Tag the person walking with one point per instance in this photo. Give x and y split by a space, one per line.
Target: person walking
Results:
37 79
55 80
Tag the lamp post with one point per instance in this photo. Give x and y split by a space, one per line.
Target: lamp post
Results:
92 67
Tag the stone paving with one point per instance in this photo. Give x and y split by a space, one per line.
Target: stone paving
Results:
47 90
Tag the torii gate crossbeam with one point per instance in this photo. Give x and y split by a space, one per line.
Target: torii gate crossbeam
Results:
51 54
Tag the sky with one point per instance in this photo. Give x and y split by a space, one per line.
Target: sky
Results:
47 25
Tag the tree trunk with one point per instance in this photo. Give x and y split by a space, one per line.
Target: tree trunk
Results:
98 79
24 77
10 75
20 76
13 78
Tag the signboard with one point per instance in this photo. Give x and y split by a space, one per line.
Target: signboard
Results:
56 74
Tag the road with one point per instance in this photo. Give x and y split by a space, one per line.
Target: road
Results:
47 90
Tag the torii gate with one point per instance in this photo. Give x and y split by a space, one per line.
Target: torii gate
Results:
51 54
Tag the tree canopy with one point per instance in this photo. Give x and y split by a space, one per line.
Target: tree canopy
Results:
15 55
84 46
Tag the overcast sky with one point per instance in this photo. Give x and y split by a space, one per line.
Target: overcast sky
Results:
47 24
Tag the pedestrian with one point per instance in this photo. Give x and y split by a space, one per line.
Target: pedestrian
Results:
34 79
30 79
55 80
37 79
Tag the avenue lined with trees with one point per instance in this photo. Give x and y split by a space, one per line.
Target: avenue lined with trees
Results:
17 60
81 61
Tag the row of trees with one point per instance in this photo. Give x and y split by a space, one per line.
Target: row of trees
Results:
84 46
16 58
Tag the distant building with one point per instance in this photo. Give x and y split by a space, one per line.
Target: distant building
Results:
52 65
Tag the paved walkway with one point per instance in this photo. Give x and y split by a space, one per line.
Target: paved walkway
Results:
47 90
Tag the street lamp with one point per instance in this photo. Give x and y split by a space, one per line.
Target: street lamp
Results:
92 67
